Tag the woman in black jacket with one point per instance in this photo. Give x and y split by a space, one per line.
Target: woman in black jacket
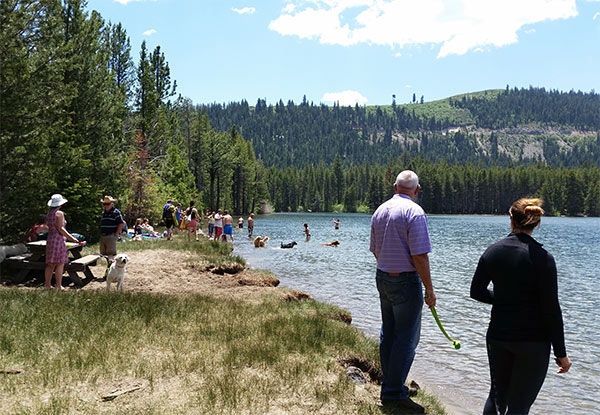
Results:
526 317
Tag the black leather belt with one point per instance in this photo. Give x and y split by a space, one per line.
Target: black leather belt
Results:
398 274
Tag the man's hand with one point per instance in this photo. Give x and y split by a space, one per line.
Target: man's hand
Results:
430 298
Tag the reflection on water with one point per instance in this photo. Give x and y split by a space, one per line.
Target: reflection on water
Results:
345 276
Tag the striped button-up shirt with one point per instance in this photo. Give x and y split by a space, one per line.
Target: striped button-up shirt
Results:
398 231
110 221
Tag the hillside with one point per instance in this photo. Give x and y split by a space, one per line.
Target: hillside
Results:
443 109
492 126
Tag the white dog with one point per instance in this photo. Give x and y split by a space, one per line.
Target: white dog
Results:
116 272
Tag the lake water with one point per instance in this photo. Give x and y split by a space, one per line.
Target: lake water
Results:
345 276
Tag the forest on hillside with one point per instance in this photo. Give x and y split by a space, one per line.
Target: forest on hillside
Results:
292 134
81 116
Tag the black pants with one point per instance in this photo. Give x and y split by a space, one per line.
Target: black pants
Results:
518 370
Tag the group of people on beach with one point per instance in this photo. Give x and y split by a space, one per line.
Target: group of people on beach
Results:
219 222
175 219
526 319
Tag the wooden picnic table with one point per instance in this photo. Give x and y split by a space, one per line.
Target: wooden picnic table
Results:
35 259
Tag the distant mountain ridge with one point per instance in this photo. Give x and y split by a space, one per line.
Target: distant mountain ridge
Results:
493 127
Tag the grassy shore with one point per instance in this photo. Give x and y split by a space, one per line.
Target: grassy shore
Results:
180 354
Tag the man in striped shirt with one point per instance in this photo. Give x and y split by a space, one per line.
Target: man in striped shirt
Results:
111 225
400 243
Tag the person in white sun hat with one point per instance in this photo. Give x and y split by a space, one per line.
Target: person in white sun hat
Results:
56 249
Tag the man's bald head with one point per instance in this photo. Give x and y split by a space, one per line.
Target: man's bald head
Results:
407 180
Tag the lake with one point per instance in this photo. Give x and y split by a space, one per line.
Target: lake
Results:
345 276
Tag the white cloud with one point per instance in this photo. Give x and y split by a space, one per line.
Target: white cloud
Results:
244 10
149 32
455 26
530 31
345 98
596 16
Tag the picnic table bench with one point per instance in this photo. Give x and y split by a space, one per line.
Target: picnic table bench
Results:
35 259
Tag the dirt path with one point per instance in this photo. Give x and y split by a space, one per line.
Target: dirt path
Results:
170 272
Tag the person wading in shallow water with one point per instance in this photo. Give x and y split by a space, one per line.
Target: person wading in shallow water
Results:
250 225
400 243
526 316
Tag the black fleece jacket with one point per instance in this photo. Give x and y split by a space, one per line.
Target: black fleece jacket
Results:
525 292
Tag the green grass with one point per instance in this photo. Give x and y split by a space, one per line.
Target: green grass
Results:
441 109
194 354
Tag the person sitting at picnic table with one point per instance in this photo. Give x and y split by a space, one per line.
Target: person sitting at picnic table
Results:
56 249
32 234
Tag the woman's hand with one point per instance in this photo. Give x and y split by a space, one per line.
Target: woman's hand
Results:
564 364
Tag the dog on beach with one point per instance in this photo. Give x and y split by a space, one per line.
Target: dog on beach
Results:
259 242
116 272
334 243
290 245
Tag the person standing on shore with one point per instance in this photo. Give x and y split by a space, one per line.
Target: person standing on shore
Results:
400 243
526 316
192 224
57 254
111 225
168 218
179 219
218 225
210 216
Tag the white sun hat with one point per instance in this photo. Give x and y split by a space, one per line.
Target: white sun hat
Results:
57 200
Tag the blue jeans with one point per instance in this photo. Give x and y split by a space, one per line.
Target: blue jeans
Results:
401 300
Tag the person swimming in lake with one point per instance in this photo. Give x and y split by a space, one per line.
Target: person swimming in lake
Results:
336 224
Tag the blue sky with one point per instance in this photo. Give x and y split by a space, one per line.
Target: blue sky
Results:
364 50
